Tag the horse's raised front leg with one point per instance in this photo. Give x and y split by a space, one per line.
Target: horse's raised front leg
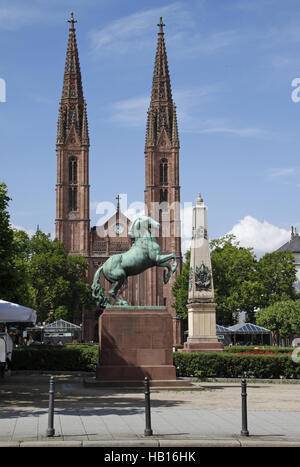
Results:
164 258
167 276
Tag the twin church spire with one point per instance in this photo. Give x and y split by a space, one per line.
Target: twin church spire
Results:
162 110
72 111
161 150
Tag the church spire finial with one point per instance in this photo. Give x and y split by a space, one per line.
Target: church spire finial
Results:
160 25
72 21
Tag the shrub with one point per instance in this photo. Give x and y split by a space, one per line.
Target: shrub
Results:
231 365
84 357
73 357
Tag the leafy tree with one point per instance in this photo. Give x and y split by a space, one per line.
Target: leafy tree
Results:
241 282
58 280
61 312
7 276
37 272
234 279
276 272
24 293
282 318
180 288
13 244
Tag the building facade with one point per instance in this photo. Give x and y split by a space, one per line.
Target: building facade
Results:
162 190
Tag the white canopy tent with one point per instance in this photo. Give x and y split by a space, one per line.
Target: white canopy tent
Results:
14 313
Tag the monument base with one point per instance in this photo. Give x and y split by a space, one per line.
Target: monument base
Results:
202 328
135 342
212 346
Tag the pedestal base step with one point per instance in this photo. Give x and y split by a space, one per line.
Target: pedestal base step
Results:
202 347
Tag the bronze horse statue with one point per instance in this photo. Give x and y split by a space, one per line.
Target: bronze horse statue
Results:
144 253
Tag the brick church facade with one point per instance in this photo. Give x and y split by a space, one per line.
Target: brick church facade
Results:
162 190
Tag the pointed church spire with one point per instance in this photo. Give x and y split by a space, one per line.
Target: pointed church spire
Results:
161 85
72 87
72 111
161 106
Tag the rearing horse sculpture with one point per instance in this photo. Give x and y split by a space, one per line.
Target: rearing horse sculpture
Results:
144 253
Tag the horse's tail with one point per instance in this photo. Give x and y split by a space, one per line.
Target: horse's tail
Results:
97 290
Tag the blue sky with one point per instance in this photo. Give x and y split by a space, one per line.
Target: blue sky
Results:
231 62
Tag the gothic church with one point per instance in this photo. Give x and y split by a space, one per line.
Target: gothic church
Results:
72 224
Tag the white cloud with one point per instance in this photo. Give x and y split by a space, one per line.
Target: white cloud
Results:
243 132
213 42
281 172
130 112
262 236
131 31
29 232
189 101
135 31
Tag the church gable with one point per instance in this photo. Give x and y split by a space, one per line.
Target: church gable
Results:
163 141
112 236
73 138
117 225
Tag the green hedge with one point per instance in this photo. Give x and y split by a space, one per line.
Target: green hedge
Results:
72 357
84 357
230 365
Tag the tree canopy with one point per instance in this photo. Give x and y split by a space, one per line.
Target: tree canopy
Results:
282 318
180 288
241 281
38 272
7 270
58 280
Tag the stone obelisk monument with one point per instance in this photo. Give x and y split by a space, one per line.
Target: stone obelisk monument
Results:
201 303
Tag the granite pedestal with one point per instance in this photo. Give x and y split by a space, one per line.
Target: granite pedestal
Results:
202 328
135 342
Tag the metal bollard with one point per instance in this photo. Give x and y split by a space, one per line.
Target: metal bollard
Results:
244 431
148 430
50 429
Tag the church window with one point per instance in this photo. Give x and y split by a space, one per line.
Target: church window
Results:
163 196
73 198
73 170
163 172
